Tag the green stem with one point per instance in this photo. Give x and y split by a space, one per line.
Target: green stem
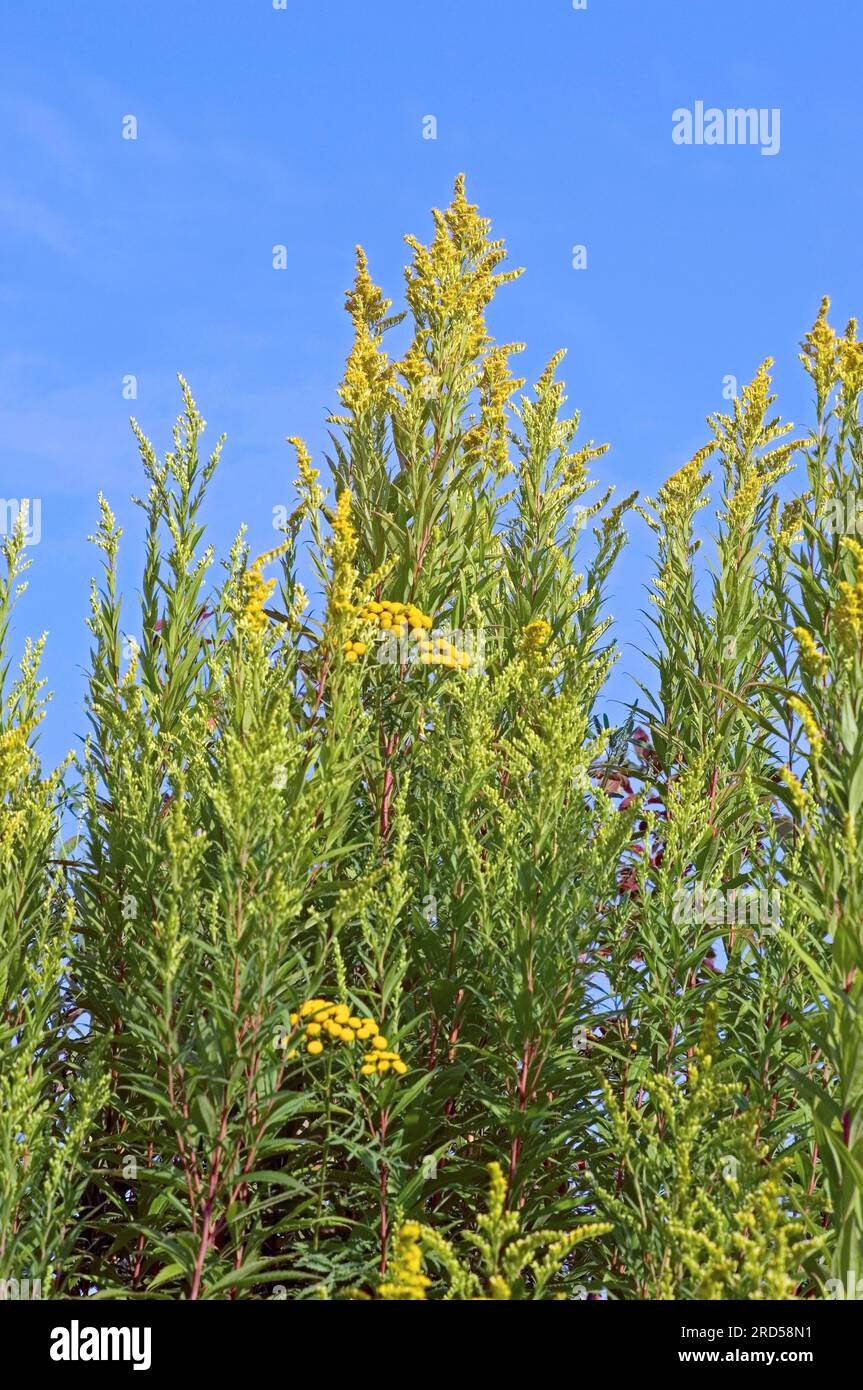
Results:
326 1148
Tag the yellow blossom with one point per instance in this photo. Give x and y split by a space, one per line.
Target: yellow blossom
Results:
405 1279
850 357
258 590
799 795
368 375
332 1025
848 615
812 658
534 636
810 725
818 353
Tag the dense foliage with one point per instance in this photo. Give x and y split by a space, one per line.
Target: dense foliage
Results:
359 954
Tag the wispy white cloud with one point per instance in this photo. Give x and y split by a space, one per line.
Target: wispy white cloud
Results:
22 215
42 126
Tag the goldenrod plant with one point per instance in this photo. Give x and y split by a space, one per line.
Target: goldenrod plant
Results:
352 898
508 1264
51 1094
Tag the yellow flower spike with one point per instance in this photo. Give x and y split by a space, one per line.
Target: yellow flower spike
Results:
810 725
315 1047
850 357
257 590
848 614
534 636
342 548
369 375
819 353
799 795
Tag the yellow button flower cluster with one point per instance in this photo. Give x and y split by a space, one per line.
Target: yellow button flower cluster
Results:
405 619
354 650
438 651
398 618
323 1022
379 1061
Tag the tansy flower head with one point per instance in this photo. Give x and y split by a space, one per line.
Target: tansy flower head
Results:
325 1024
410 624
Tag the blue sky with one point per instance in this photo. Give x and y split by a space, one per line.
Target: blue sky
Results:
304 127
